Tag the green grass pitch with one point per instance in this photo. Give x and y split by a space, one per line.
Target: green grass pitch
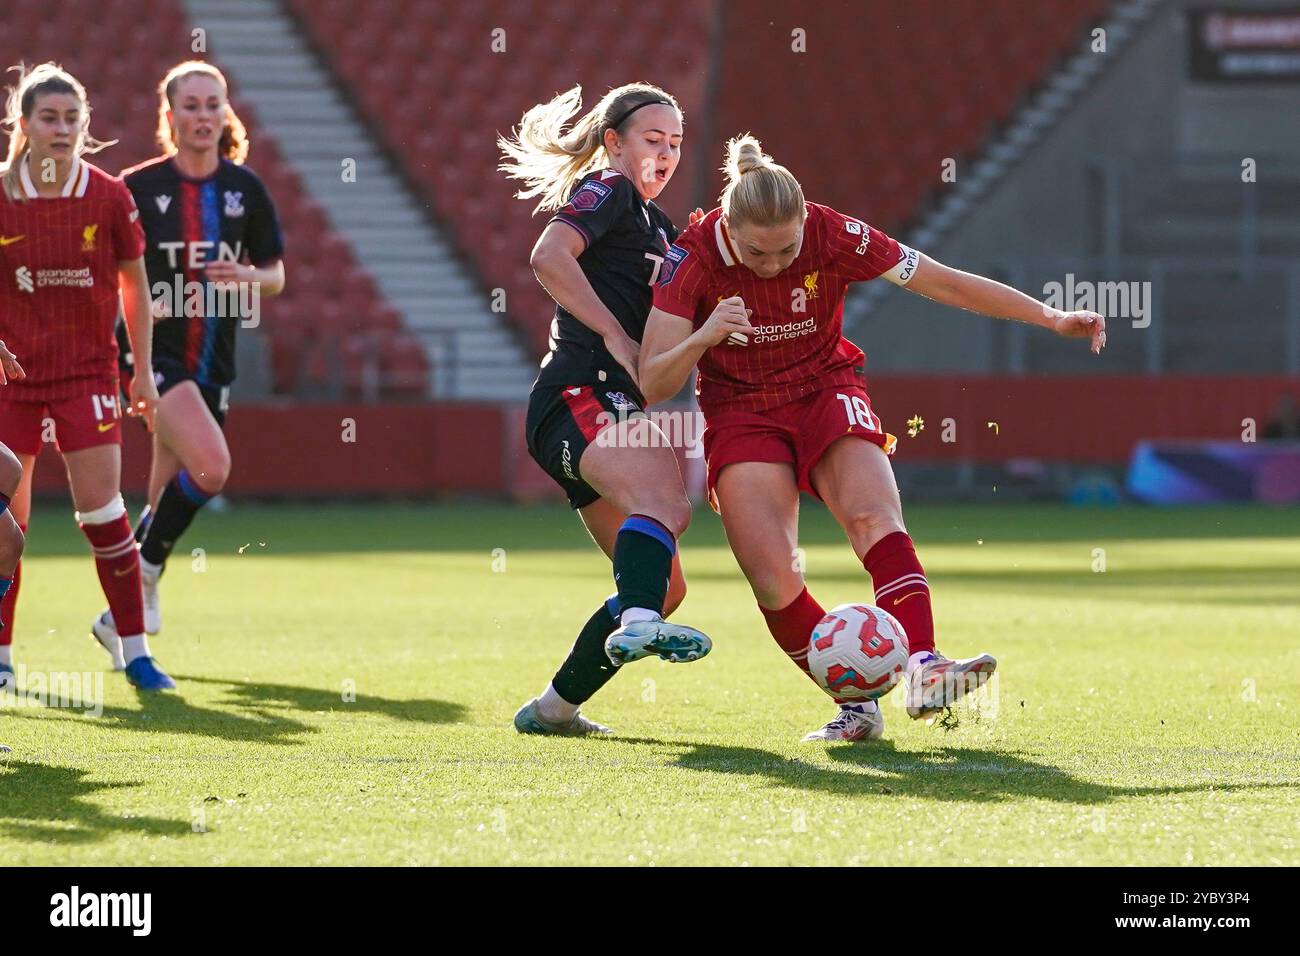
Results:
348 677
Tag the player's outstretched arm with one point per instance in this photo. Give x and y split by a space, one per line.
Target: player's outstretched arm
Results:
669 349
942 283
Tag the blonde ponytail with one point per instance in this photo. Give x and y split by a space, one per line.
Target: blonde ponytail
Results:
550 159
21 104
759 190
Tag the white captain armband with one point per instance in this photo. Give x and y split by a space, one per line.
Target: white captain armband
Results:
902 273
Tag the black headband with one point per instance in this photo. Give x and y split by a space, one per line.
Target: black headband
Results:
619 122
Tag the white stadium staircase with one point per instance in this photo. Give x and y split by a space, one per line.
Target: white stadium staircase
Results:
472 353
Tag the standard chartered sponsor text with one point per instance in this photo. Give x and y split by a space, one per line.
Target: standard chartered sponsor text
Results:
788 330
75 278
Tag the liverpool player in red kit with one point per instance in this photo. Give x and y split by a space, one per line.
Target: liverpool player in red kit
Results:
70 239
754 294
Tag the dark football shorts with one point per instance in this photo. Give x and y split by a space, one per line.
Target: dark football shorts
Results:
562 422
167 375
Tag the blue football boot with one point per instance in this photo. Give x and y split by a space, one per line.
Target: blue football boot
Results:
675 643
145 674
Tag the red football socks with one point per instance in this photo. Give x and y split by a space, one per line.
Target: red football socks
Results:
901 588
118 564
792 626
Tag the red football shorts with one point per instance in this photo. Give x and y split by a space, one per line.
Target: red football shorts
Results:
797 433
84 421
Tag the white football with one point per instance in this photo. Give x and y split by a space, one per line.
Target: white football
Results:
858 652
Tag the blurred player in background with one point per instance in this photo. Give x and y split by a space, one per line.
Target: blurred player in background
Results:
754 293
207 220
11 536
70 239
598 258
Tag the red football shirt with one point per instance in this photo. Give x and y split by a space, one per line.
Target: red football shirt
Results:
59 282
797 314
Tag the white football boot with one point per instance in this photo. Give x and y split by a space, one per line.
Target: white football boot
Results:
937 682
675 643
529 720
104 631
863 721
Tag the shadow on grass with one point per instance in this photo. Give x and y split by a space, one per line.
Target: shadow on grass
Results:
879 769
424 711
47 804
256 712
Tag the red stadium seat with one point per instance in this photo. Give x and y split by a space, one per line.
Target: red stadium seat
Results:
121 64
964 67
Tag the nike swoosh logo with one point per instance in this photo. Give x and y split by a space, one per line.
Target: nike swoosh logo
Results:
10 240
123 572
898 601
105 426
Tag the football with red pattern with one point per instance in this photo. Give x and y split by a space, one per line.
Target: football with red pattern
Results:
858 652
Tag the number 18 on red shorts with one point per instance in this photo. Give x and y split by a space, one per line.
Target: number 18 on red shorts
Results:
797 433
